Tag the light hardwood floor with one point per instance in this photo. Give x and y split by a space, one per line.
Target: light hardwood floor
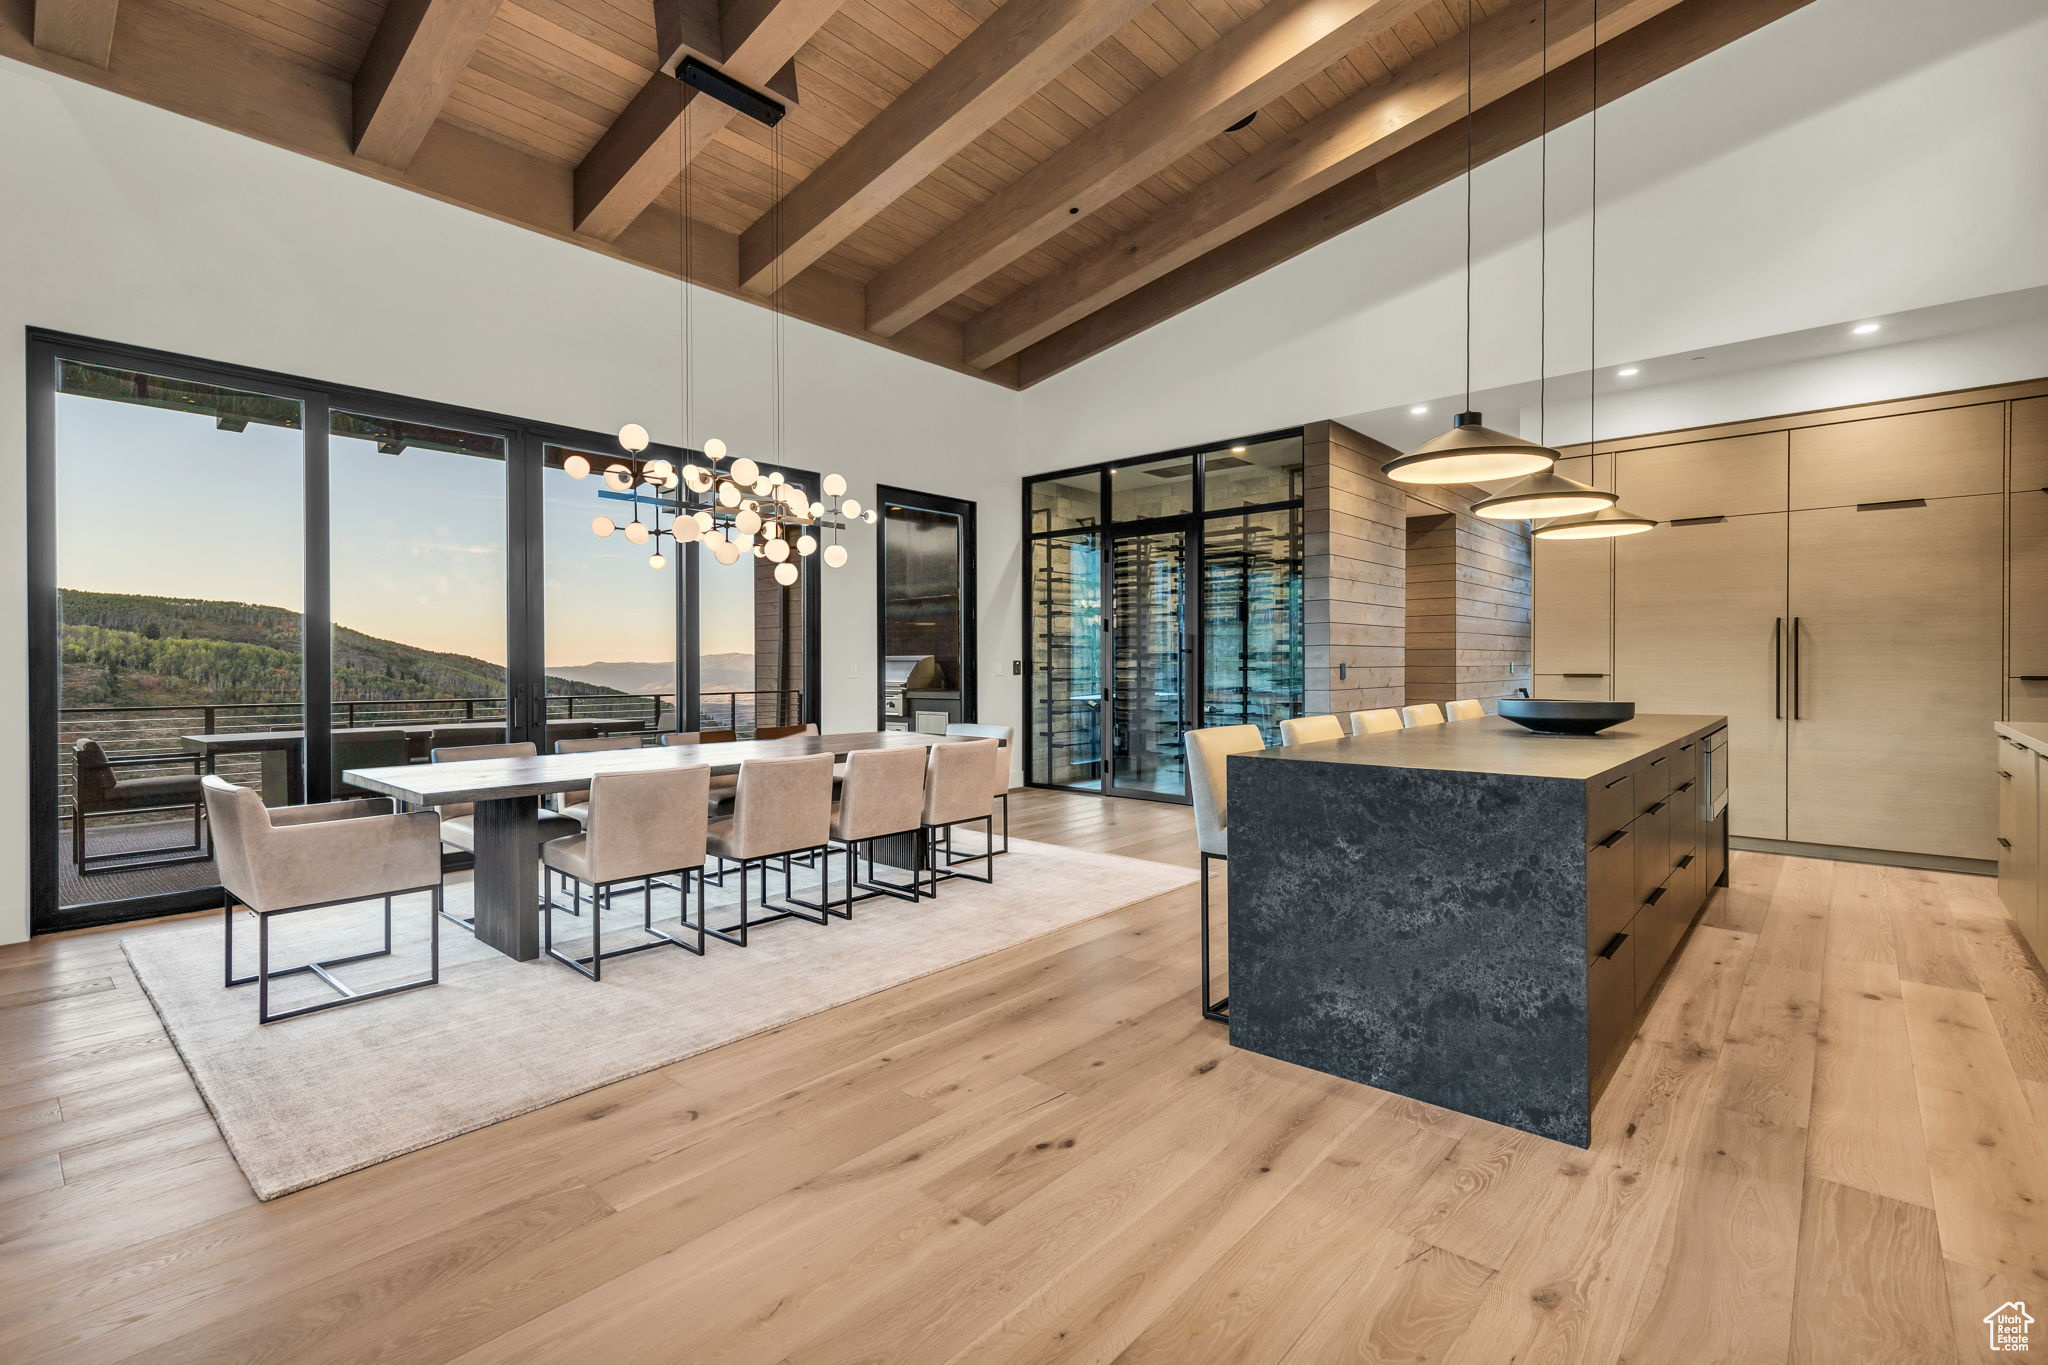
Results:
1830 1144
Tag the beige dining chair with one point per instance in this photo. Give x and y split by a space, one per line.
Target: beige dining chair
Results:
576 804
641 826
688 737
780 807
1465 709
1376 722
458 818
1308 730
1208 753
881 794
1004 736
959 789
1423 713
277 861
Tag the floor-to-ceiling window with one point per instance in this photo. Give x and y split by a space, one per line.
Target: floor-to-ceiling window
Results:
1163 593
278 581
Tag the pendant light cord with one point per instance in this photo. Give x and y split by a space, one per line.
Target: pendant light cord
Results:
1543 248
689 301
1468 205
1593 253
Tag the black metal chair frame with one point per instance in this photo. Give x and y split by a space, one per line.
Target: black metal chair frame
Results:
601 895
322 969
947 872
873 886
736 932
1218 1010
469 921
198 851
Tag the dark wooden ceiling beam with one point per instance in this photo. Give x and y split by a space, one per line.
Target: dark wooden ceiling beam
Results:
1013 54
1654 48
1258 61
419 52
1426 95
82 30
668 124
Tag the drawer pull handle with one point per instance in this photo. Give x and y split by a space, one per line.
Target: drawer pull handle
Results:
1658 807
1655 896
1663 759
2004 774
1684 863
1611 840
1616 782
1686 786
2004 842
1614 945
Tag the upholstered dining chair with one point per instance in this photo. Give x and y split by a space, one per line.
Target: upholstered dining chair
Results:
1423 713
97 789
458 819
576 804
1308 730
1375 722
1208 770
784 731
780 807
640 826
464 736
687 737
1465 709
1004 736
291 858
881 794
959 789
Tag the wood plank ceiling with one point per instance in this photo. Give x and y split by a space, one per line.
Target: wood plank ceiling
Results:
1002 186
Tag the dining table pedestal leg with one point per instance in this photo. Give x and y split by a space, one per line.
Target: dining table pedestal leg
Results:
507 878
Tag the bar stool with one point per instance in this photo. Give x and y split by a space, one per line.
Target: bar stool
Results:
1424 713
1305 730
1466 709
1375 722
781 806
959 789
458 819
1208 770
1003 735
640 826
576 804
292 858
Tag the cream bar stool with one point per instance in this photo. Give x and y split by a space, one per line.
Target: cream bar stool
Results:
641 826
277 861
1306 730
1375 722
1208 754
1427 713
1004 736
882 794
576 805
1466 709
458 819
780 807
959 789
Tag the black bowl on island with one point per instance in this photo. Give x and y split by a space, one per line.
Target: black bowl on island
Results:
1566 717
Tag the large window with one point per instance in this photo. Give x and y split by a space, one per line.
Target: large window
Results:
279 581
1164 593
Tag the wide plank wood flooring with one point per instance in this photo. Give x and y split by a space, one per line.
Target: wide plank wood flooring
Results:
1830 1144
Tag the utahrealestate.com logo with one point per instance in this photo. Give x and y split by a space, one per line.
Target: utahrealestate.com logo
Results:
2008 1325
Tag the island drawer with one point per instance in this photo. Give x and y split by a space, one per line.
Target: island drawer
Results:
1610 997
1610 888
1610 804
1652 838
1655 778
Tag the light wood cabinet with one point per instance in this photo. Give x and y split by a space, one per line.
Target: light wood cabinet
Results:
1894 676
1945 453
1570 604
2019 834
2030 444
2028 583
1699 619
1733 476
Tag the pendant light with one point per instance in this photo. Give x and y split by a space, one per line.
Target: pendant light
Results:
1470 452
1611 521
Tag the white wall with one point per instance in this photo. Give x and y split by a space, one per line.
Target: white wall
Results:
1854 159
124 222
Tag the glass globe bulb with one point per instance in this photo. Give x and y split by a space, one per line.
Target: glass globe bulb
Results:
633 437
636 531
869 516
835 556
756 552
850 508
806 544
740 538
705 521
658 470
603 526
725 552
817 510
744 470
617 479
714 449
763 488
697 477
834 485
778 550
747 520
785 574
576 467
685 531
776 478
714 539
728 495
657 560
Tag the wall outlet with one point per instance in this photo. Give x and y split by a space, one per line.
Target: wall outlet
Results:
1016 668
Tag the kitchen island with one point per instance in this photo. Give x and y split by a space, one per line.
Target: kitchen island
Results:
1470 914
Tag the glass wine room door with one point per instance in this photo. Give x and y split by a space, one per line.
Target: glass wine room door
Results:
1149 666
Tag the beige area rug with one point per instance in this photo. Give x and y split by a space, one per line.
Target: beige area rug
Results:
309 1099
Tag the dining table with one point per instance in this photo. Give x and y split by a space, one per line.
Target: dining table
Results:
506 795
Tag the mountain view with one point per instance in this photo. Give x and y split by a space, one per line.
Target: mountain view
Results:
721 672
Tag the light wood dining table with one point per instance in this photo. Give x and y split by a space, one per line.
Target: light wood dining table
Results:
506 793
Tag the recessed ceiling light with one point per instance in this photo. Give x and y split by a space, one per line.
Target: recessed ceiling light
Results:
1628 371
1237 450
1864 329
1418 410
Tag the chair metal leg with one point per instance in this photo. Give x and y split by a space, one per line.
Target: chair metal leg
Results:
1218 1010
263 975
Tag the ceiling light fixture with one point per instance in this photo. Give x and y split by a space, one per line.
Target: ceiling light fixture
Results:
1604 524
1470 452
1628 371
1419 410
1864 329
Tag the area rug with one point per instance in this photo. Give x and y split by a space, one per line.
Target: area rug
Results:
309 1099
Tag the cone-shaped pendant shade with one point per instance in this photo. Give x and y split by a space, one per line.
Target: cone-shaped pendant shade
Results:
1548 494
1604 524
1470 453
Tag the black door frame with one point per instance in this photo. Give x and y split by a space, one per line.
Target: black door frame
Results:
525 575
887 496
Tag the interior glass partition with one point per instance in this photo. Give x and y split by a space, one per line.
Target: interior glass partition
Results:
1200 554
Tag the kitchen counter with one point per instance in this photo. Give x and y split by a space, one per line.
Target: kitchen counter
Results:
1469 914
2032 733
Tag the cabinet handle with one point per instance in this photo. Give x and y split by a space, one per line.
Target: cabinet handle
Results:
1654 896
1795 668
1611 840
1683 863
1686 787
1615 783
1582 675
1614 945
1654 809
1665 758
1778 669
2004 774
2004 842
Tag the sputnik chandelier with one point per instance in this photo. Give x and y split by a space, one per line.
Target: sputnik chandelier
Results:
745 510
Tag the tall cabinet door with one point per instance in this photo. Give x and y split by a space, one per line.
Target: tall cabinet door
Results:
1895 676
1698 611
1571 605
